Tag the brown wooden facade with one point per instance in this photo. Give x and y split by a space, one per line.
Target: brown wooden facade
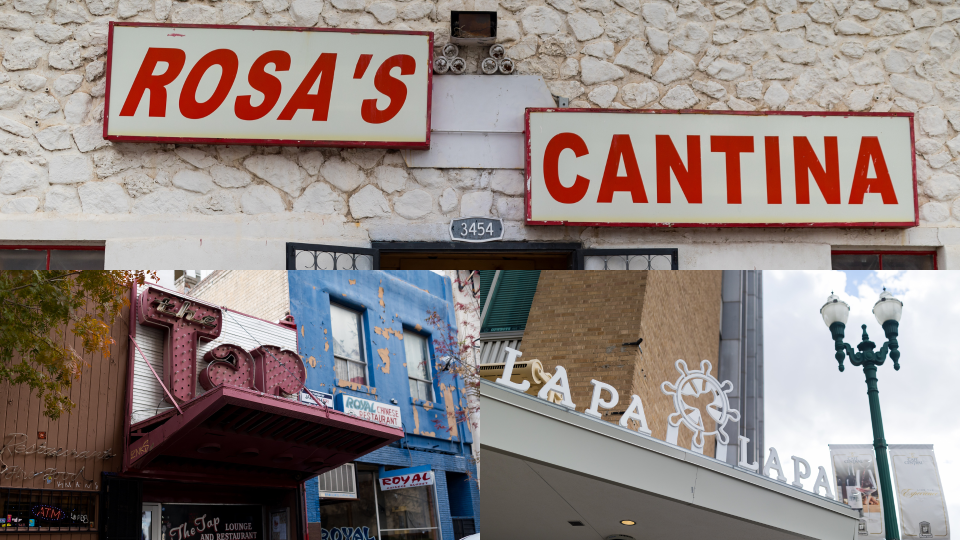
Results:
95 426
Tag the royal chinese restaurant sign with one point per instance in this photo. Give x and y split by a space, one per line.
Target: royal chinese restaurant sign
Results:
306 87
669 169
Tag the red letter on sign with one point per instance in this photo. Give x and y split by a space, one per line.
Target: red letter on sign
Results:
185 323
279 371
228 62
319 102
263 82
805 160
870 151
551 168
156 84
621 147
732 147
771 147
690 179
390 87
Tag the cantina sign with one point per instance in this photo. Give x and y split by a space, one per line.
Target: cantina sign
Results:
264 85
691 385
667 169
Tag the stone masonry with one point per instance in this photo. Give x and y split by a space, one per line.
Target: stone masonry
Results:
837 55
676 313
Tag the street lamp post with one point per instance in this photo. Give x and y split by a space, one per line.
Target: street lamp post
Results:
887 310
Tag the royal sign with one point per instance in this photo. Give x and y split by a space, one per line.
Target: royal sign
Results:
406 478
696 168
265 85
365 409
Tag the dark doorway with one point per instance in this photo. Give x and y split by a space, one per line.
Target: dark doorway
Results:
456 256
485 256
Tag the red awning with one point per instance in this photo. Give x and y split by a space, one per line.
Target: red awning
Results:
233 435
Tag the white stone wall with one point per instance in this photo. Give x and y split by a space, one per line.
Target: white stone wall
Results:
60 181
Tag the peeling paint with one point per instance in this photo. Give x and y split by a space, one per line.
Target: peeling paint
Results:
427 405
301 332
324 330
416 422
381 297
377 330
353 281
385 356
447 392
326 346
312 361
418 328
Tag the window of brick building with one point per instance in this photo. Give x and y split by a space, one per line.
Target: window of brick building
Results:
16 257
883 260
419 368
347 328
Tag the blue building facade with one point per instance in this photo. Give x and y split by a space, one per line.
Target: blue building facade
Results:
385 337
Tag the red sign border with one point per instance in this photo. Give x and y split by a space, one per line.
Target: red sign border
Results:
425 145
875 225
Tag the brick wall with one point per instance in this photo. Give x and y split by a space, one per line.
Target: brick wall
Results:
261 293
681 319
581 319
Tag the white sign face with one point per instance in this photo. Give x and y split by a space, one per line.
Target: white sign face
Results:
366 409
407 478
323 397
257 85
923 510
647 168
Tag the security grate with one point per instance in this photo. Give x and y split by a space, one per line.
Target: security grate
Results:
47 510
324 257
627 259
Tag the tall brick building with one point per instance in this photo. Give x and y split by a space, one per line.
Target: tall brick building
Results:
583 321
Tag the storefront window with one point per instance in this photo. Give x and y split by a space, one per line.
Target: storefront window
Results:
418 366
31 510
340 521
51 258
347 348
883 260
408 514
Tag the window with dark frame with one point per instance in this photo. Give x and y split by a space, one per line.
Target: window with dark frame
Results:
883 260
44 510
15 257
349 359
419 370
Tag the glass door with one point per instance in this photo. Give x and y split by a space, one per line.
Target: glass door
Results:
150 522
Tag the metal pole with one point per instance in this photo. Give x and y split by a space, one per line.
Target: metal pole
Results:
880 449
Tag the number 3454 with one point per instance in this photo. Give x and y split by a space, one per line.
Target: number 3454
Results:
476 229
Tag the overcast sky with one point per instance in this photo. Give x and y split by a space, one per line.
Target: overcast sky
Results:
810 404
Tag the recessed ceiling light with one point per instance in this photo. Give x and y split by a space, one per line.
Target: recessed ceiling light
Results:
627 522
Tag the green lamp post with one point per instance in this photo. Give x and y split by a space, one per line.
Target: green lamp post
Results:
887 310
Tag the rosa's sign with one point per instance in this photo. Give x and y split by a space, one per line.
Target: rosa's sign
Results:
670 169
305 87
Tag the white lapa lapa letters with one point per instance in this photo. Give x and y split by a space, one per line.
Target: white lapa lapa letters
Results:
700 402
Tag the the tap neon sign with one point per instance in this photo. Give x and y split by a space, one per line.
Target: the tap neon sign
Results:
268 368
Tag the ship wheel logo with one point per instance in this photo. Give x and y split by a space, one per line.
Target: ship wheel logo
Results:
688 389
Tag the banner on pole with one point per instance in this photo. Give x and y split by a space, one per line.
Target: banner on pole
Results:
923 510
857 482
